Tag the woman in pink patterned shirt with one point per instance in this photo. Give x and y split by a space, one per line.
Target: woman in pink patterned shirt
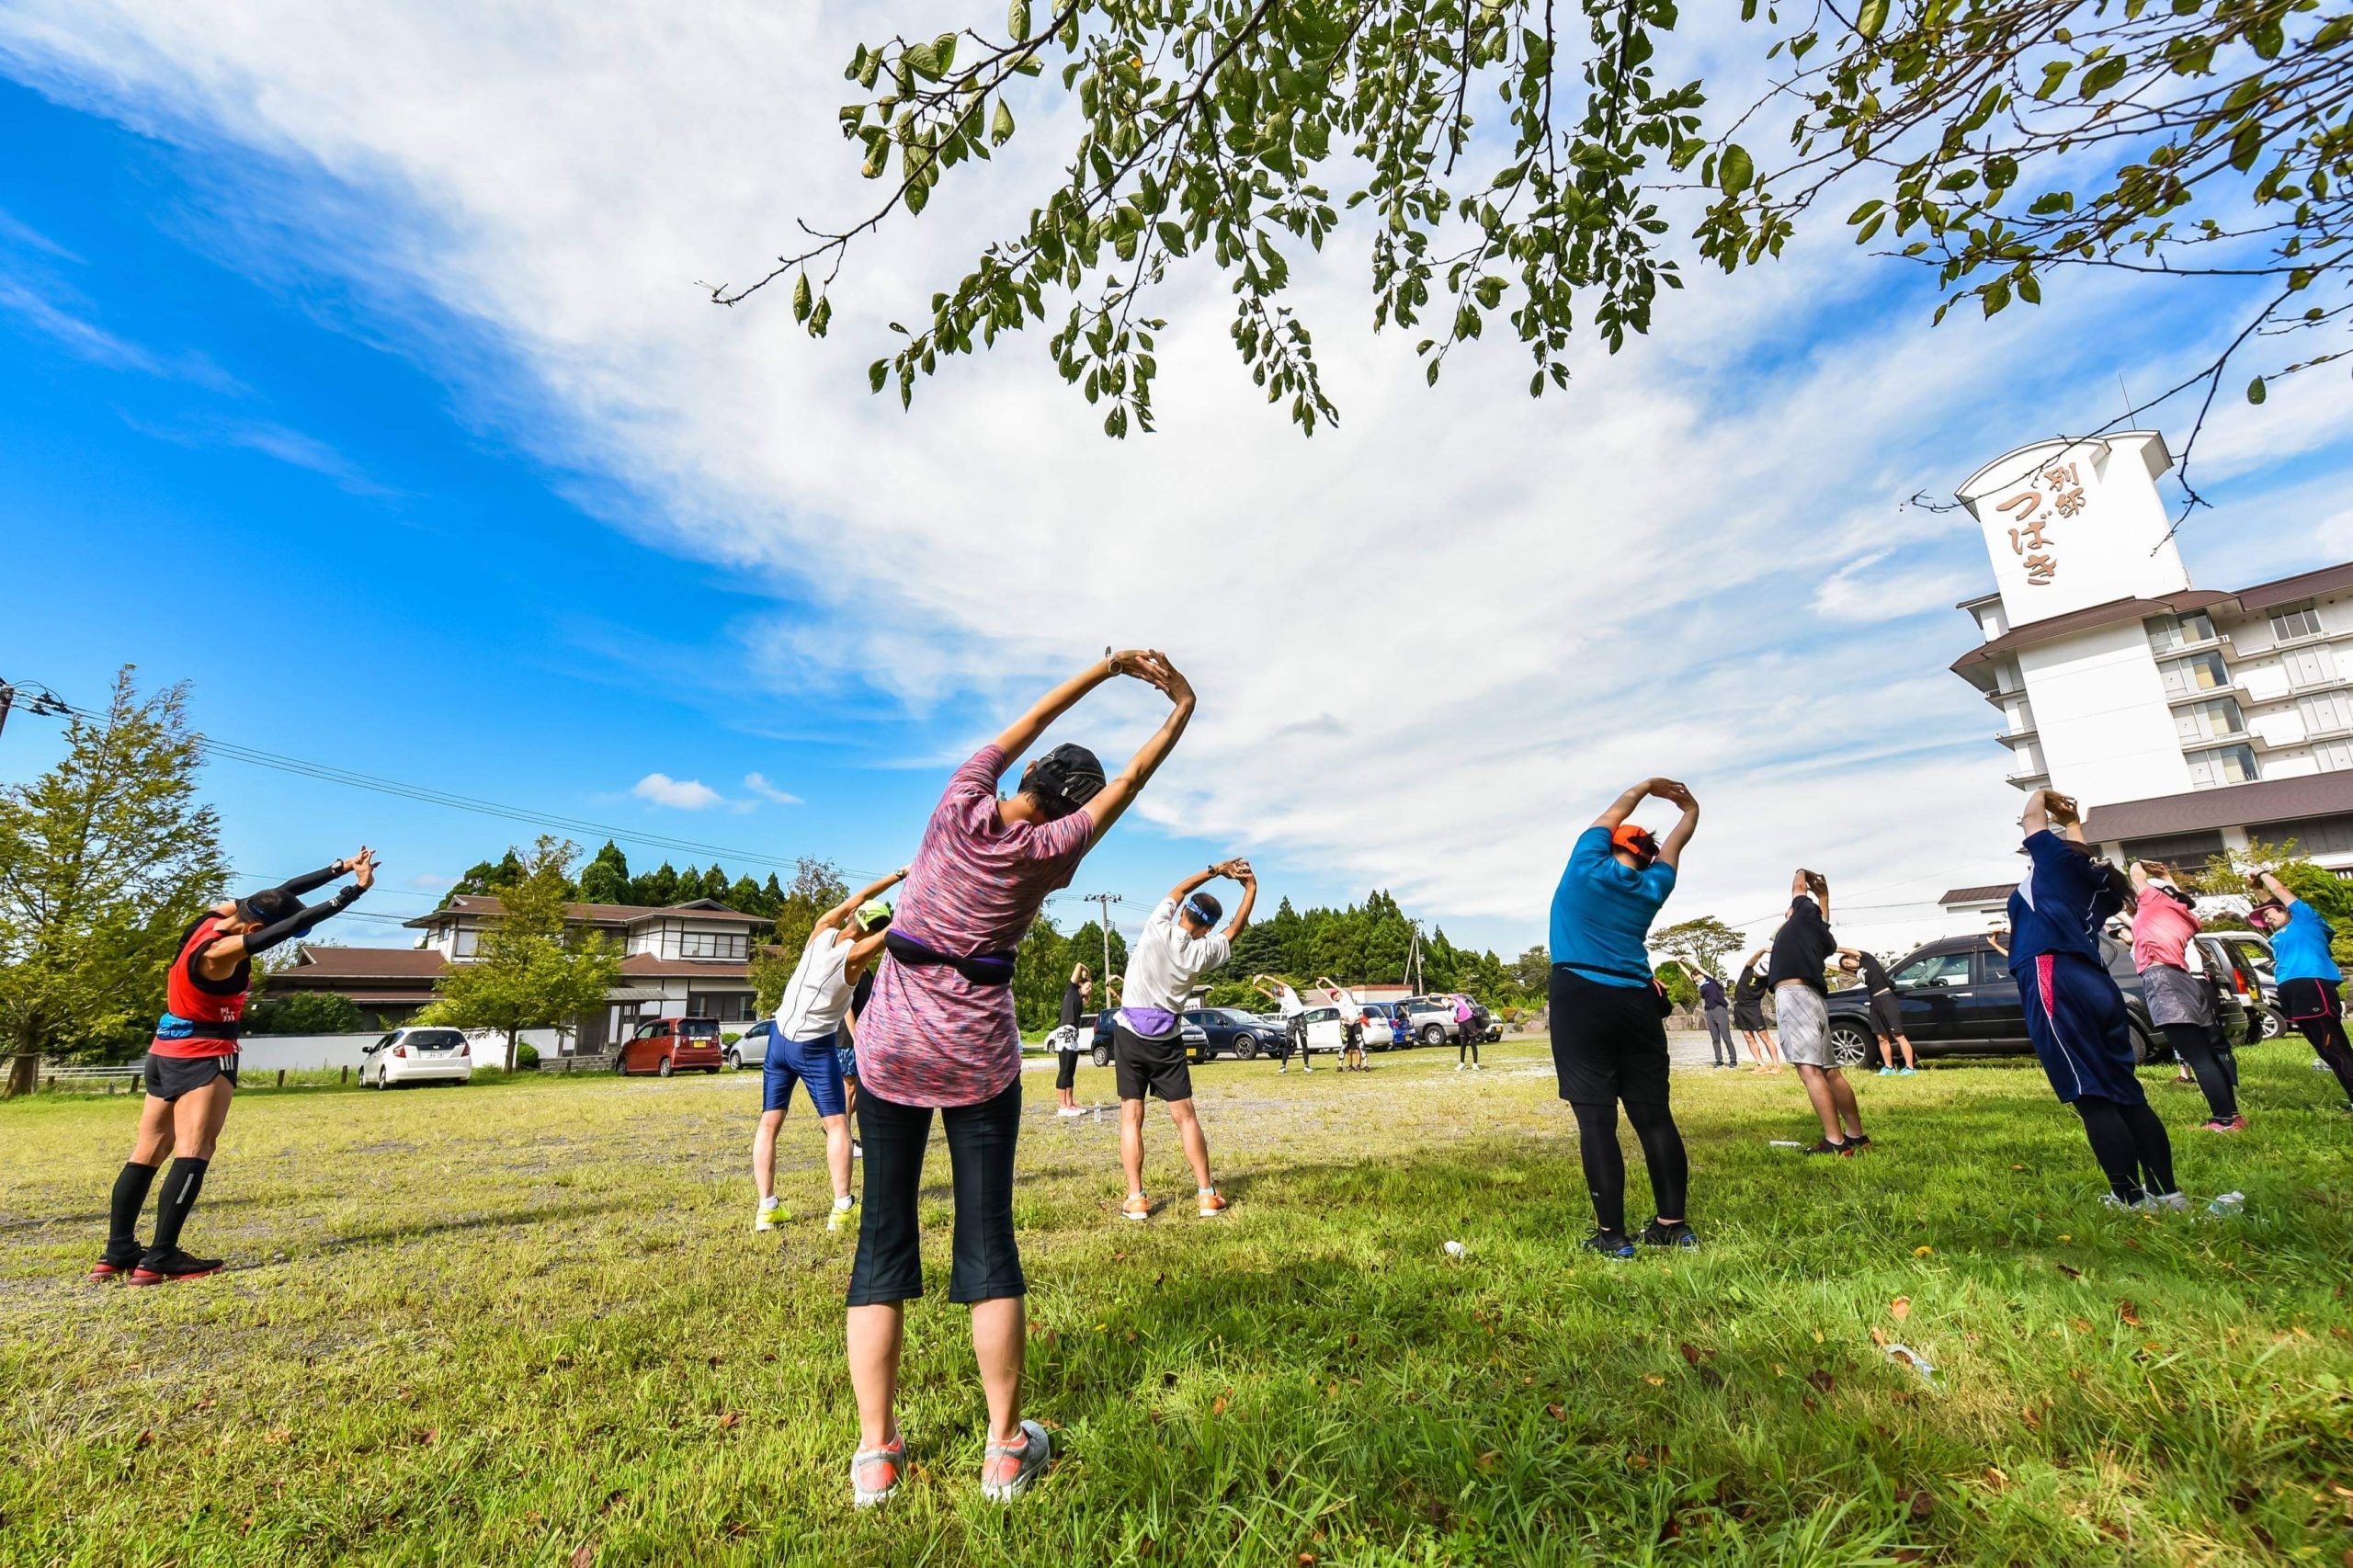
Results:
940 1034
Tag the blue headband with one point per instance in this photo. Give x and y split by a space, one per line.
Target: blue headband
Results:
1193 908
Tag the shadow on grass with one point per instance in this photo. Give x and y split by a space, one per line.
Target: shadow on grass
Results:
424 1227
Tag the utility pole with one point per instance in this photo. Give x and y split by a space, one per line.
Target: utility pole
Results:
1414 961
1105 901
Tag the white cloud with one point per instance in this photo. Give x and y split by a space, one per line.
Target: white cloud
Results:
685 794
1430 643
758 784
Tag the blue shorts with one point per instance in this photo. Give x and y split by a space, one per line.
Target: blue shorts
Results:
811 1062
848 1059
2075 1015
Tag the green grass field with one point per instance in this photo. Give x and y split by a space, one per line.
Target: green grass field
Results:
530 1322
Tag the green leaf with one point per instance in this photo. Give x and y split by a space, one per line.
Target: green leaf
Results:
1735 170
878 158
2246 146
1001 124
877 373
1017 19
800 301
2254 393
1871 17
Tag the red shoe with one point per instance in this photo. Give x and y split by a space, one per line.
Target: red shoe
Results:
113 1267
163 1269
2235 1124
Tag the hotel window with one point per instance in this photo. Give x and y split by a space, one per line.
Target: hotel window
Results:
2327 711
2168 632
2302 622
2199 671
711 945
2223 765
2210 720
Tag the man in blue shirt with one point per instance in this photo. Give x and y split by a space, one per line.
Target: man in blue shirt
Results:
1609 1018
2309 978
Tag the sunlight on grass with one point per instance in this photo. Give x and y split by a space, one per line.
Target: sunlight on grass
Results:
514 1321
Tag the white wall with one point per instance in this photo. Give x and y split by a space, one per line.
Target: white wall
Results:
313 1052
2099 707
2113 546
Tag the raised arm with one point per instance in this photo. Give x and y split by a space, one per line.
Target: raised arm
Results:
861 953
2139 871
2275 887
1240 872
1112 801
1670 848
1179 894
1023 733
832 919
1623 806
221 957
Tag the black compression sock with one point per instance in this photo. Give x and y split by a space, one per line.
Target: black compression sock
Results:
181 1188
129 1196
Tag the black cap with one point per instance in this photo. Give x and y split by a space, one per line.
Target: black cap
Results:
1065 778
268 906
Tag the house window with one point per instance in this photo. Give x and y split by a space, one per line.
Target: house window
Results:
2302 622
2328 712
713 945
726 1006
2210 720
2223 765
2199 671
2168 632
464 941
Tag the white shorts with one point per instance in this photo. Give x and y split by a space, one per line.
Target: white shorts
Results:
1804 1019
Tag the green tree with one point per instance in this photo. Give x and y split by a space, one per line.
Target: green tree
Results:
2226 876
1998 142
104 862
657 888
771 897
1041 968
817 886
605 879
746 896
304 1012
1700 946
1681 989
533 970
1531 972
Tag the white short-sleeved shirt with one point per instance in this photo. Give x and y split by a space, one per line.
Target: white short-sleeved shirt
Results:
1164 960
816 999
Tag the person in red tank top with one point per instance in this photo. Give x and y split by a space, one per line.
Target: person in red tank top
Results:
191 1070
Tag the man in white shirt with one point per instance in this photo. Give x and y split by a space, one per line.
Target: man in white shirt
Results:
1288 1002
1148 1039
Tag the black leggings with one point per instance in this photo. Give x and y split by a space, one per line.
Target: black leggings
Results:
2130 1145
2313 1005
1066 1069
2212 1059
1466 1044
987 1264
1605 1163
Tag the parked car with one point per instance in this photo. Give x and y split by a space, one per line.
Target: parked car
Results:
2254 979
416 1056
1230 1031
1385 1028
663 1046
1196 1038
1958 998
752 1050
1431 1018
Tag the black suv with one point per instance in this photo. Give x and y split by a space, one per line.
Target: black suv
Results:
1959 999
1234 1032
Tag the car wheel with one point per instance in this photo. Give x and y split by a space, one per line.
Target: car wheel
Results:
663 1069
1849 1046
1247 1047
1101 1055
1433 1034
620 1065
2271 1026
734 1063
2143 1051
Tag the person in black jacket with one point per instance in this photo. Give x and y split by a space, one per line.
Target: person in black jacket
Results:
1749 1015
1802 948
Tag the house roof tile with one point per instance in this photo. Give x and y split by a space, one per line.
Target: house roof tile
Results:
595 914
2233 805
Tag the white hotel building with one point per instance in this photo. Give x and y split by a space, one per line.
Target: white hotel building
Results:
2184 720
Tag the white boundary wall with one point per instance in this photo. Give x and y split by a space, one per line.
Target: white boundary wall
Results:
312 1052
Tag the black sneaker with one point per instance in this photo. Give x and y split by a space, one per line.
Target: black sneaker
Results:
115 1264
1825 1146
1610 1243
163 1267
1859 1141
1658 1233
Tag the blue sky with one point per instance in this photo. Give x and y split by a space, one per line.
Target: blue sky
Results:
355 374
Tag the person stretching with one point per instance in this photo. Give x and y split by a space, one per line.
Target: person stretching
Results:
805 1047
2074 1013
1067 1043
1713 1008
1351 1023
1465 1036
2308 976
1749 1015
1885 1008
2164 931
1289 1003
941 1035
190 1073
1148 1041
1801 950
1609 1018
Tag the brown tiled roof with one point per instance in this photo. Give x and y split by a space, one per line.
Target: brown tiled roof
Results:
321 959
2234 805
1976 895
593 913
2085 619
653 966
2303 586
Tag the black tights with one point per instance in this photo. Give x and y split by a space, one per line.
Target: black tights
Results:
2325 1035
2216 1066
2131 1147
1466 1044
1605 1163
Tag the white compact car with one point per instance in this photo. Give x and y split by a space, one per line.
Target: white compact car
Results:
417 1056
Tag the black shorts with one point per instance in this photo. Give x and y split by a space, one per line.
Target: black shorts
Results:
169 1077
1887 1013
1155 1066
1748 1016
1608 1043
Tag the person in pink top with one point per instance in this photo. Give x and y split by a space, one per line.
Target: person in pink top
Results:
2179 996
939 1035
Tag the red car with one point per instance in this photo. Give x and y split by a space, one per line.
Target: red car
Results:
663 1046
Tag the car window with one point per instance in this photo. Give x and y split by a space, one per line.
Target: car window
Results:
646 1031
1321 1015
1934 968
436 1040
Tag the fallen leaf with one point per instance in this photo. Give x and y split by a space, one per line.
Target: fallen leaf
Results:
733 1418
2026 1415
1306 1560
1879 1335
282 1435
2079 1326
1923 1505
2018 1168
145 1440
1556 1412
2065 1238
1821 1380
1923 1251
1217 1405
1652 1379
1692 1353
1487 1461
1900 1308
2071 1273
563 1361
584 1555
1996 1479
425 1436
2129 1313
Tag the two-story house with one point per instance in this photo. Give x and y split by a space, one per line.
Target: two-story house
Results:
683 960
